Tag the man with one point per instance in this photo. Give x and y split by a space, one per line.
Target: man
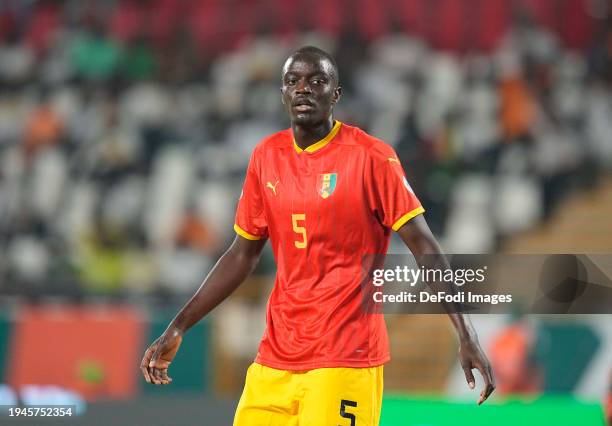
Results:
326 195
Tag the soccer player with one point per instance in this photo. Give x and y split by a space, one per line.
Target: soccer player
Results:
325 194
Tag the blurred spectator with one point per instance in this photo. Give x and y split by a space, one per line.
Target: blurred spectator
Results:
43 129
101 259
127 20
44 22
196 235
517 109
511 359
16 59
116 151
94 56
138 61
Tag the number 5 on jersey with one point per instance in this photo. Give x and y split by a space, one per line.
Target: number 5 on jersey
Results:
301 230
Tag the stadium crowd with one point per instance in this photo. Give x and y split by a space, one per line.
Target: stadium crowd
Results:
126 126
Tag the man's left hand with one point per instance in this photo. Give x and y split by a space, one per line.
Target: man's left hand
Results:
471 356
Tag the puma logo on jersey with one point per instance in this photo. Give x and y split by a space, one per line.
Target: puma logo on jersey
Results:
272 187
393 159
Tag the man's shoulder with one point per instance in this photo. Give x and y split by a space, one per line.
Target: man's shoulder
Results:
280 139
371 144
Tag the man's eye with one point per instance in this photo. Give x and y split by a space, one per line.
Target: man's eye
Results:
317 81
291 82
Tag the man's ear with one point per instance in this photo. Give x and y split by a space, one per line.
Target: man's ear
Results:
282 97
337 94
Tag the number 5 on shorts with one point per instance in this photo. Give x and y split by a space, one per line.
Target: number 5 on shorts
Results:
346 403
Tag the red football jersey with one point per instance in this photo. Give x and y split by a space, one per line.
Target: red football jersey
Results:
323 209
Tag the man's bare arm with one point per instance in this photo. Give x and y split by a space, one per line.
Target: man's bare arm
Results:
229 272
425 248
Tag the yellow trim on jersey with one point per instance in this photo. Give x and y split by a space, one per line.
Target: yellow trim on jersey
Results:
320 144
405 218
245 234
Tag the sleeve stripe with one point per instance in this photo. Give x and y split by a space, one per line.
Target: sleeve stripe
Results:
405 218
245 234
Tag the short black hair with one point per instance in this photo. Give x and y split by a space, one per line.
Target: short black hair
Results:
315 52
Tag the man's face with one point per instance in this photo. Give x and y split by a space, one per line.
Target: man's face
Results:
309 89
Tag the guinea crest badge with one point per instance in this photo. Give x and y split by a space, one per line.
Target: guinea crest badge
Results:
326 184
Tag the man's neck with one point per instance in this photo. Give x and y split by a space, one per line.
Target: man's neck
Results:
306 136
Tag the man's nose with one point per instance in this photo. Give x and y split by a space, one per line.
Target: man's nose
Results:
303 86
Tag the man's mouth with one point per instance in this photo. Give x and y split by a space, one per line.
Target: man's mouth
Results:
303 105
304 108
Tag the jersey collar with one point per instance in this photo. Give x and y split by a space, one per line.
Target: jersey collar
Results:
320 144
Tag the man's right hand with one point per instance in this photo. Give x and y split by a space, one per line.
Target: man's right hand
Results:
159 355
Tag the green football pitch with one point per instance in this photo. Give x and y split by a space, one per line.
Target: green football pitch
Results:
546 411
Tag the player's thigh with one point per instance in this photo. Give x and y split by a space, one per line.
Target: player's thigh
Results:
268 398
342 397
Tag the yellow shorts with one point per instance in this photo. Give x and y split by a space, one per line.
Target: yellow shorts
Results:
321 397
